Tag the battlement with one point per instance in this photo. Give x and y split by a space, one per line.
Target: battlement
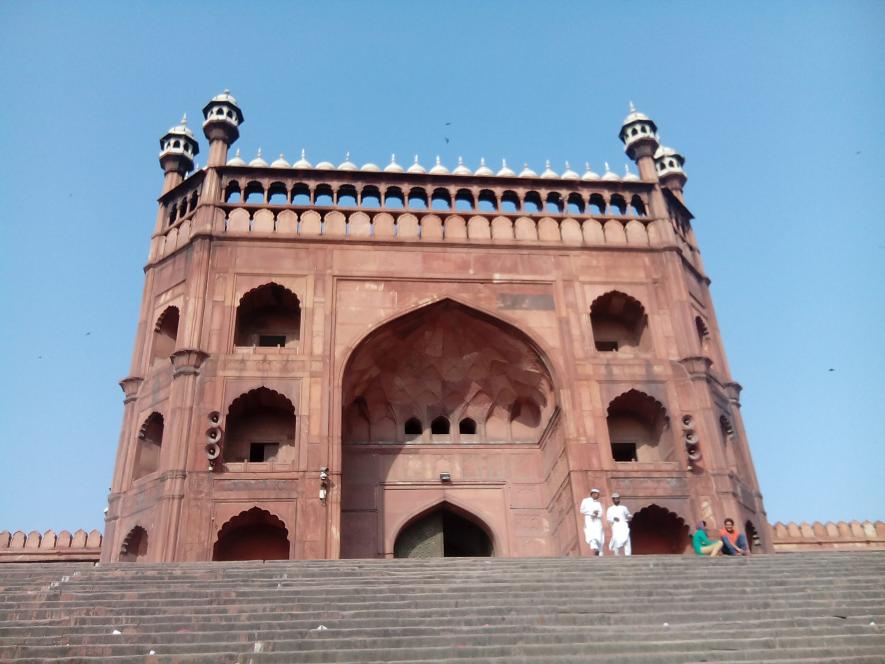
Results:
49 546
841 535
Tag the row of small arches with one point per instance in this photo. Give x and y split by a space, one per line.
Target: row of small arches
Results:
181 208
440 426
440 199
384 225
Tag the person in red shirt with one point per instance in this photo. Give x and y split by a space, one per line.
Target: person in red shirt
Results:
733 542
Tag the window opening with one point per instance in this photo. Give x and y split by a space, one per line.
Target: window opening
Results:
261 452
467 427
624 451
272 340
439 426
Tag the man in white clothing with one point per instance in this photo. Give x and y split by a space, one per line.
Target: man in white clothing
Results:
591 508
618 517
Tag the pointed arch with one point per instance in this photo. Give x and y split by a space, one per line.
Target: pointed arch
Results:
148 446
253 534
619 323
655 529
260 428
638 428
484 545
268 316
135 546
165 334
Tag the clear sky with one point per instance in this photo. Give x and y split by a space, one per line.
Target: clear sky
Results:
779 108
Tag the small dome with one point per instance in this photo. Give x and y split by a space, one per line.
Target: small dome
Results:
369 167
416 167
568 173
280 162
225 96
438 168
629 176
325 166
258 161
527 172
664 151
302 163
236 160
609 176
347 164
589 175
506 171
394 167
181 129
634 116
461 169
549 173
483 170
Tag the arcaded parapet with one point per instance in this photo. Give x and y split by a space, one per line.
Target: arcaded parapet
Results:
839 536
34 547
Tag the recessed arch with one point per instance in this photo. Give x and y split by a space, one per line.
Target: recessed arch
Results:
618 203
464 200
597 204
619 323
135 546
253 534
148 446
440 426
393 198
532 202
443 530
277 194
268 316
637 206
260 428
417 199
323 196
346 196
165 334
510 202
639 428
254 193
370 197
441 199
301 194
487 201
655 529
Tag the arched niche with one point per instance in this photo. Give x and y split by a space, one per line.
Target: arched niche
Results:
253 534
165 335
638 428
135 546
619 323
449 361
444 530
655 529
148 446
260 428
268 316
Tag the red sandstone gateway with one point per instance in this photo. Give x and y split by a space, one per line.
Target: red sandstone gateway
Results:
371 362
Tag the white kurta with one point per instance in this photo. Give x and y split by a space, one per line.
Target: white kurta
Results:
620 528
593 532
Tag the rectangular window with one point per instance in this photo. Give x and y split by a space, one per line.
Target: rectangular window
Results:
260 452
272 340
624 451
606 346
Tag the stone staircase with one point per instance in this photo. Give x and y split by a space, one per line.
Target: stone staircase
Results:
821 607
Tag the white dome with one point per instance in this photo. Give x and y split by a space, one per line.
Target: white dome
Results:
483 170
664 151
347 164
258 161
506 172
589 175
438 168
225 96
527 172
325 166
393 167
370 167
416 167
634 116
568 173
236 160
609 176
181 129
549 173
302 163
629 176
461 169
280 162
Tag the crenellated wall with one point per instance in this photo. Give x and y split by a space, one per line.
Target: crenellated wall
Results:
839 536
21 547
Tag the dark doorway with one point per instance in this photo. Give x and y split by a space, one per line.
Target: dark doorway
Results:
252 535
655 529
442 533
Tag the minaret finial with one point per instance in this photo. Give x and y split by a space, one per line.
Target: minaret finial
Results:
632 107
437 160
607 169
392 158
184 119
259 152
416 159
482 161
586 165
303 153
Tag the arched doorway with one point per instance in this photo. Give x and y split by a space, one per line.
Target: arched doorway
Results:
655 529
255 534
134 546
442 533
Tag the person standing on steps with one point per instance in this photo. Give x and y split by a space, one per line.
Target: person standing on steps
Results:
733 542
594 535
703 545
618 517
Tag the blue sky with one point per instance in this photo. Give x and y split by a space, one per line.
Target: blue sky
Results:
779 108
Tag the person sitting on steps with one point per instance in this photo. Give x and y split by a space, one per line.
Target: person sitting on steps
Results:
733 542
703 545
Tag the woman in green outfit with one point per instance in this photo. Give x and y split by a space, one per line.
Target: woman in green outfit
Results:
703 545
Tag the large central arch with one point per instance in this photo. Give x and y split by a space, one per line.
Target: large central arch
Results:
427 399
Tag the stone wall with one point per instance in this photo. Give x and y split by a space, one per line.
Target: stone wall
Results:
839 536
20 547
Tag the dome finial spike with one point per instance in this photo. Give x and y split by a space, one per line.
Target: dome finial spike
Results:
237 154
303 153
227 91
184 119
437 160
586 165
547 163
482 161
392 157
347 155
627 169
607 169
567 165
416 159
460 161
259 152
632 107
